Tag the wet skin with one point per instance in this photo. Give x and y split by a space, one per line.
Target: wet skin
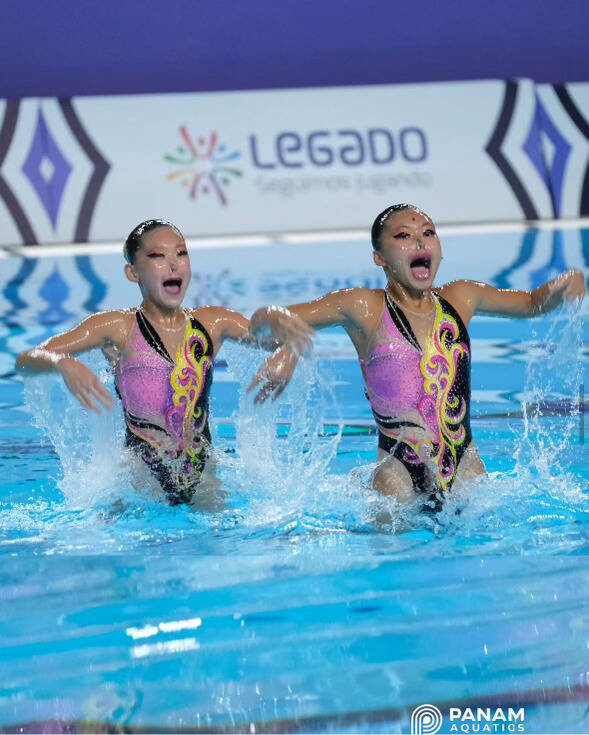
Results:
162 271
409 252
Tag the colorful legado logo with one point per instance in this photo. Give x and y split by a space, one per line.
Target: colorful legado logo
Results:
205 165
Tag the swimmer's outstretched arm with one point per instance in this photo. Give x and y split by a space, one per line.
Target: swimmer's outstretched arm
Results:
58 353
351 308
475 297
281 324
273 328
348 308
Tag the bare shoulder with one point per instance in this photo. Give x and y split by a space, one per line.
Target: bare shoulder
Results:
459 289
354 296
364 305
211 314
463 295
97 330
113 326
117 316
220 322
346 307
352 302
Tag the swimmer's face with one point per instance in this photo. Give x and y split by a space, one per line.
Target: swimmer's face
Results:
409 249
162 267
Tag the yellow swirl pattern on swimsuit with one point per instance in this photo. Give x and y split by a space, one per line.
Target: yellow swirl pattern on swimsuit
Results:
188 381
439 367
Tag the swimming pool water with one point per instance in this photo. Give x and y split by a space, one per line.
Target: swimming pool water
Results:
299 605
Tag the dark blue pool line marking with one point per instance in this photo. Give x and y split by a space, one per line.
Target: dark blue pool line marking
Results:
317 723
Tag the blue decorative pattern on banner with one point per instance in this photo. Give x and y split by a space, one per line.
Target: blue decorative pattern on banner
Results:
17 212
583 127
101 169
47 169
493 148
553 175
533 146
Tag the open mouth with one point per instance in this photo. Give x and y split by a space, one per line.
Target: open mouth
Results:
421 267
172 286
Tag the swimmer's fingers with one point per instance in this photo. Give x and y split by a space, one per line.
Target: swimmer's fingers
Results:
276 373
293 331
103 395
258 377
570 286
575 290
91 396
573 295
85 386
264 393
97 392
272 388
83 396
262 375
301 338
272 385
279 391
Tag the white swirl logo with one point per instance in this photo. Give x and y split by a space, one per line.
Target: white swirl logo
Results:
426 720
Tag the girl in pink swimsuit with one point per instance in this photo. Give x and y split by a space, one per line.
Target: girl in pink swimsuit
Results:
413 345
166 403
431 392
163 355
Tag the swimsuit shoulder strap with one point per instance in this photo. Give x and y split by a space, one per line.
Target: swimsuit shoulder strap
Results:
449 310
401 322
150 335
198 326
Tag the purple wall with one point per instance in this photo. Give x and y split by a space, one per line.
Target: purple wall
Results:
76 47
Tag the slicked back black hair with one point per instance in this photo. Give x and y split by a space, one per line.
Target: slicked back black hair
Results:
378 224
133 242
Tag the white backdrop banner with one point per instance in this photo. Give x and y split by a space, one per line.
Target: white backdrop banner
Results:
91 168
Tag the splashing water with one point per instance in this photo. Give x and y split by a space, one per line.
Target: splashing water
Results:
551 404
540 504
282 456
280 479
89 445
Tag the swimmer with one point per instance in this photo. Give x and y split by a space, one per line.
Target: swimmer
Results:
414 349
162 356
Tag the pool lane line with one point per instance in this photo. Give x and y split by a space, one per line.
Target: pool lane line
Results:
368 427
315 723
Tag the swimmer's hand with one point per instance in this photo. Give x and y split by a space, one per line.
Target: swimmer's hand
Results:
84 385
275 374
569 286
285 326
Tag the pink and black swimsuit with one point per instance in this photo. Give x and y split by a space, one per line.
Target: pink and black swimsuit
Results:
421 398
166 404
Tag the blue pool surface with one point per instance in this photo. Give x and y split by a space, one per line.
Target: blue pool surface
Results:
305 603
